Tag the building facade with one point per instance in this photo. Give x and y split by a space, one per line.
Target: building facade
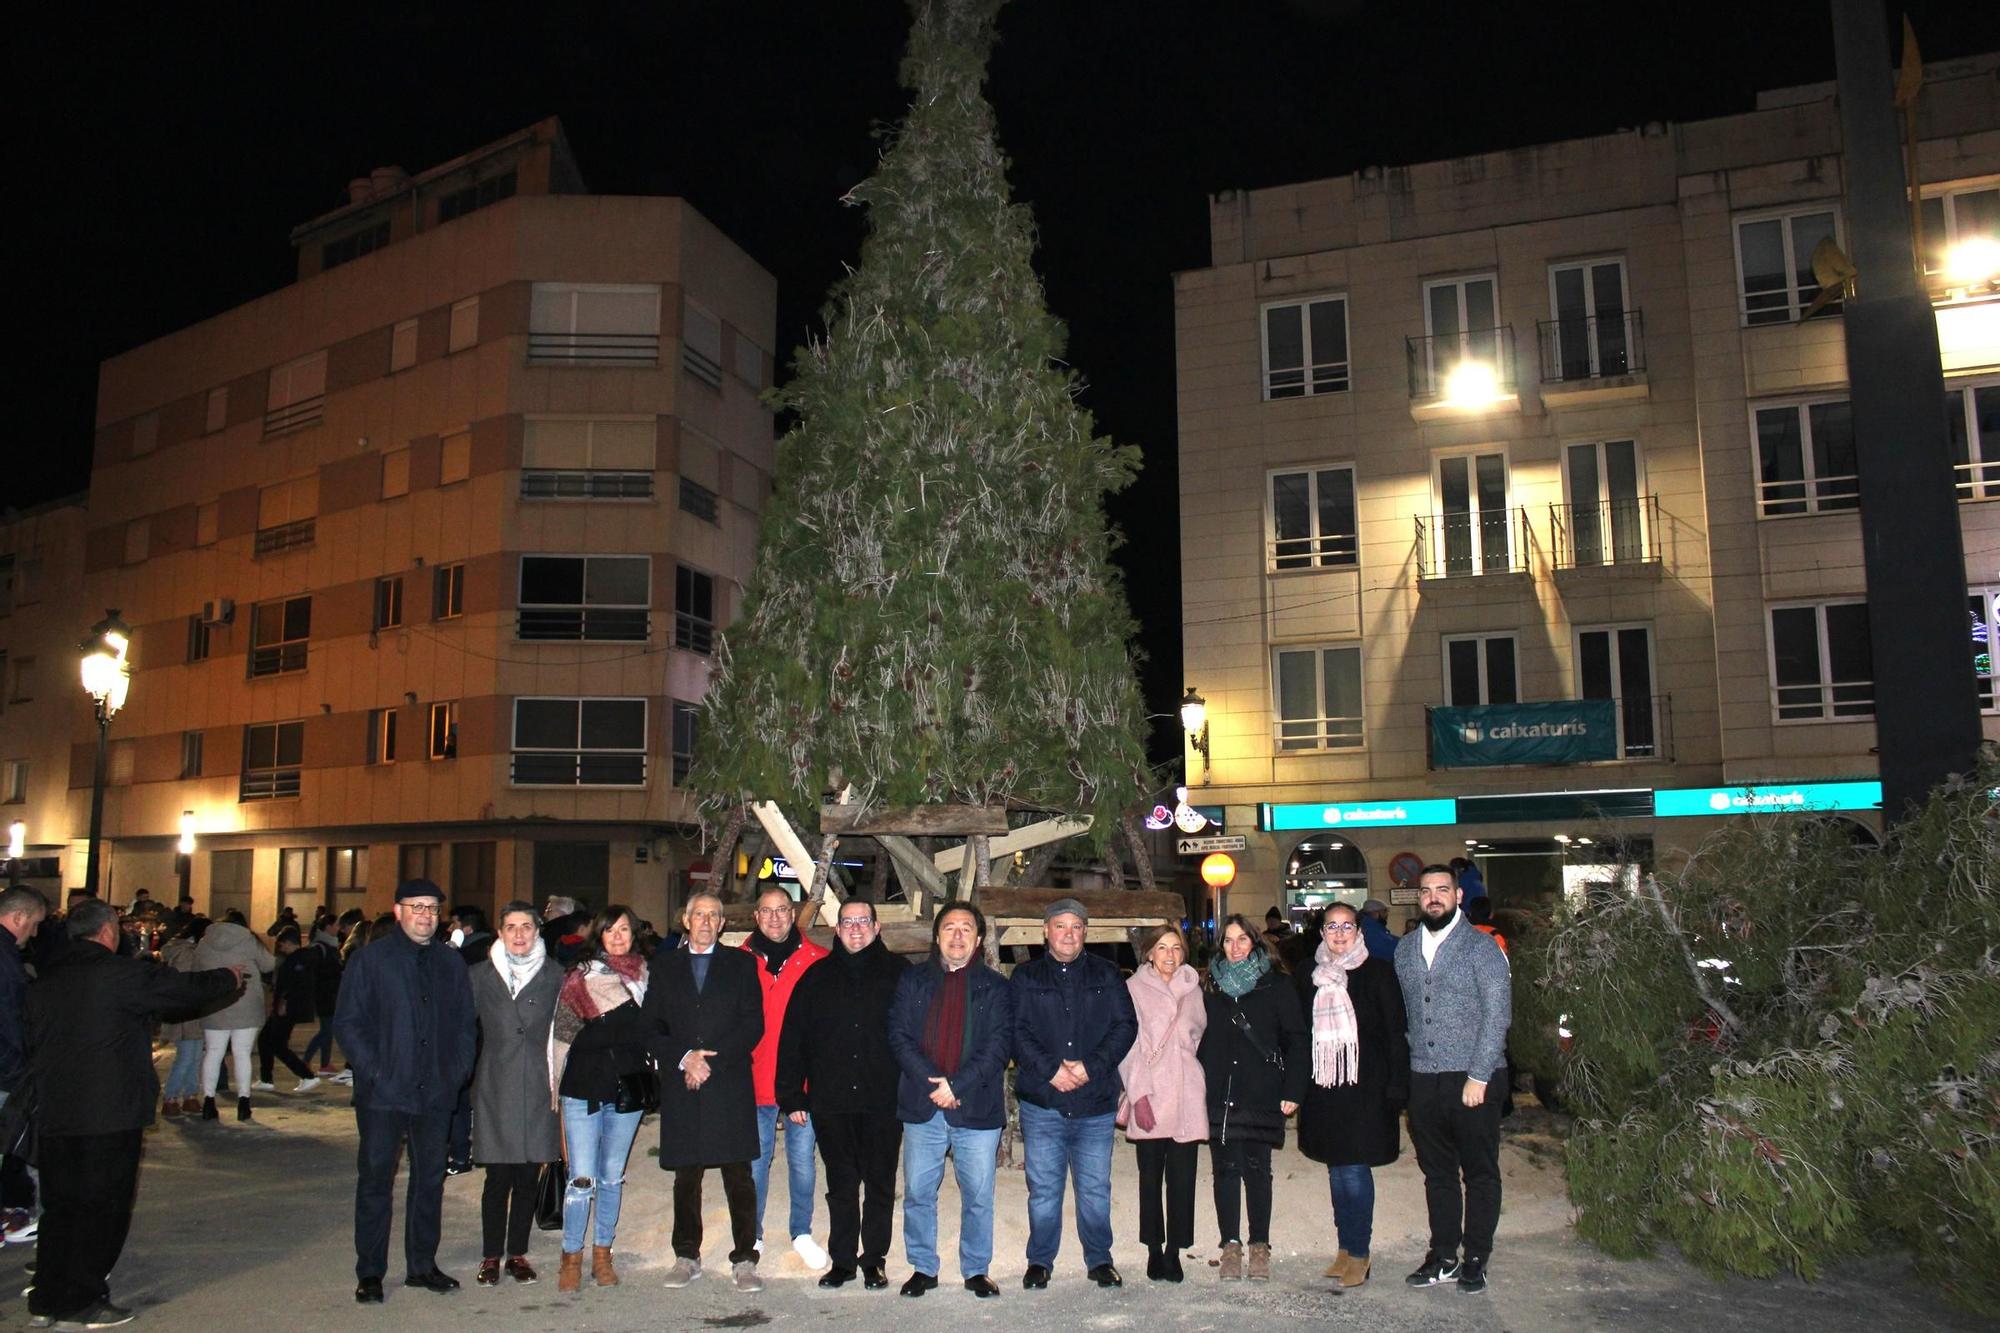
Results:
1518 495
425 553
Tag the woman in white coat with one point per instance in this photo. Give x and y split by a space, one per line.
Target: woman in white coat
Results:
234 1027
1165 1106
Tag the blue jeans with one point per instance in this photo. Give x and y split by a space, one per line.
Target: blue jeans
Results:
800 1173
1059 1146
972 1161
322 1041
1353 1207
599 1143
184 1079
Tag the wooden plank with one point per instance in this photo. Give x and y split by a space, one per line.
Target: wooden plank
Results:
1017 840
1108 903
1093 934
914 821
779 830
919 876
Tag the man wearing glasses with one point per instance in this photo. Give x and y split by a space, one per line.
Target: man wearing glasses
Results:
784 956
406 1020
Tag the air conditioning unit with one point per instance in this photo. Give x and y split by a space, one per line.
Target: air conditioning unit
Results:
221 611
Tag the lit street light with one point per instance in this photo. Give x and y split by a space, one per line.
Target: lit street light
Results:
107 677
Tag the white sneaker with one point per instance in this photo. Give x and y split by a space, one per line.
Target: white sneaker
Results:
345 1078
809 1250
261 1086
306 1085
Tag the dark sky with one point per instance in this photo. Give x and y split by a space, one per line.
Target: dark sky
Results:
161 160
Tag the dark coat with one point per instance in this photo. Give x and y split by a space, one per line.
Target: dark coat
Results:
981 1080
717 1122
1357 1124
513 1114
833 1054
327 992
1244 1087
615 1043
90 1036
1075 1011
406 1021
295 986
13 1002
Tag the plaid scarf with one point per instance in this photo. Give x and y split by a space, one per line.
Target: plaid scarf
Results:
591 990
1336 1035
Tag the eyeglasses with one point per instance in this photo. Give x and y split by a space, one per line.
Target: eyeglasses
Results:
1339 928
415 909
774 911
855 922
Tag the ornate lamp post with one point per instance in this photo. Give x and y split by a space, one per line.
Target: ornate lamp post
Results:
107 677
1194 721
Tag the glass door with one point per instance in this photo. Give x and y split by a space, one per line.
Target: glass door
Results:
1607 516
1589 307
1616 662
1474 534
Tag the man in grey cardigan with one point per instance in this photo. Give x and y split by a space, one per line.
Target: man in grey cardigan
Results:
1459 998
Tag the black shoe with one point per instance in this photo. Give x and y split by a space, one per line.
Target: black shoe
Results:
1104 1275
982 1286
1172 1267
874 1279
919 1283
1156 1264
208 1109
368 1291
1035 1279
1433 1271
457 1168
1472 1275
432 1281
837 1277
242 1108
98 1314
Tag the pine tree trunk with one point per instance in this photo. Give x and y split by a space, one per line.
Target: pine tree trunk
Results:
982 859
1114 864
1128 823
878 876
822 879
723 865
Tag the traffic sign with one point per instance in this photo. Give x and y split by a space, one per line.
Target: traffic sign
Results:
1230 842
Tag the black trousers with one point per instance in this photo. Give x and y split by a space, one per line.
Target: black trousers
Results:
1454 1140
88 1183
738 1187
860 1151
1165 1162
507 1207
1246 1167
17 1187
458 1146
382 1136
275 1043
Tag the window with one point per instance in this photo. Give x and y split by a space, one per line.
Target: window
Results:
454 457
1473 531
1479 669
354 245
279 632
1954 216
272 755
1591 325
1616 662
403 346
206 519
191 744
1305 348
388 602
701 345
145 434
605 458
749 363
698 500
14 781
1805 458
10 580
347 869
1606 520
444 730
1312 519
1821 663
420 860
579 742
573 322
694 610
1461 317
395 473
687 722
1972 420
138 536
464 325
586 597
1774 264
1983 604
473 197
285 515
23 682
381 736
580 870
448 592
298 873
197 639
1319 698
297 397
218 410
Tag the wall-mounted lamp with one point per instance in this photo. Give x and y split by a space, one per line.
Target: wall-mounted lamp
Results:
1194 721
186 845
17 840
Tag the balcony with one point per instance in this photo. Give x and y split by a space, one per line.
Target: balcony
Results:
1613 534
552 347
1813 495
578 768
1978 481
285 537
1471 545
585 484
1591 360
268 784
278 658
610 624
1622 729
295 416
1461 375
694 633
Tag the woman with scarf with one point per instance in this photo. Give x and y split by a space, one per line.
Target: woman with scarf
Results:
1165 1110
1360 1078
1253 1055
514 1127
598 1052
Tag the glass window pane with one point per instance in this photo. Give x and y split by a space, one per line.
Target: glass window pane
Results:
1444 313
1780 461
614 724
260 747
1570 297
1296 688
545 724
1851 658
1479 305
1795 661
1455 485
618 581
1336 516
1291 518
1285 346
1342 669
1808 230
551 579
1461 684
1764 285
1935 241
1834 463
1976 213
1500 676
1329 344
1593 664
291 743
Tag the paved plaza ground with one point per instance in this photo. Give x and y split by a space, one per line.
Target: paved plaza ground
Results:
250 1226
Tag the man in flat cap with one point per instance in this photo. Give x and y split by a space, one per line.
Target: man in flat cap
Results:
406 1020
1073 1023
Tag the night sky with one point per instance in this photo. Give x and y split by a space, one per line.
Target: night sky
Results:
162 159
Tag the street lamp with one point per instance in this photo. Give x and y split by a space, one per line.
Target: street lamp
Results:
1194 721
185 848
17 847
107 677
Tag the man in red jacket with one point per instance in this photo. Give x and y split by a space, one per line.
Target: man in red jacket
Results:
783 955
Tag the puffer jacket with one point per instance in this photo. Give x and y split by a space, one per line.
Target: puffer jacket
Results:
226 943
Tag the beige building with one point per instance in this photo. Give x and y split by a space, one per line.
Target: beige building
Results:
1518 498
41 588
425 553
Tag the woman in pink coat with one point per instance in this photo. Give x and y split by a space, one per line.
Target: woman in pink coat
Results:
1165 1111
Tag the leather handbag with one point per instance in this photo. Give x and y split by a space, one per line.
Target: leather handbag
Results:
638 1090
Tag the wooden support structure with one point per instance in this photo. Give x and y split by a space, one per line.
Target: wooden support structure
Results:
914 821
779 830
1017 840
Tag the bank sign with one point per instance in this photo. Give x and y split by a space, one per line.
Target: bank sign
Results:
1357 814
1797 798
1561 731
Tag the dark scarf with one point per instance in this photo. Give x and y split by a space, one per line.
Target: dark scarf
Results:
774 954
950 1014
858 962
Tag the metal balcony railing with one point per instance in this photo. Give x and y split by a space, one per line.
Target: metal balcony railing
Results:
1809 495
585 484
579 768
1331 551
1432 361
1978 481
693 633
702 366
1578 348
267 784
1461 545
609 623
1317 733
295 416
1610 532
1820 700
277 658
285 536
552 347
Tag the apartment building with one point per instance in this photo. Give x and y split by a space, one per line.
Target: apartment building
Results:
1518 496
41 586
425 554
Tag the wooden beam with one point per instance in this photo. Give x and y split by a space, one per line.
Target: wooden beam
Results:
919 876
1017 840
914 821
779 830
1108 904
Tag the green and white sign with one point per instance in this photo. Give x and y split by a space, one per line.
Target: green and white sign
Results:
1796 798
1558 731
1357 814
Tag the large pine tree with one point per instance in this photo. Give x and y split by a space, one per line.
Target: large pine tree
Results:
933 616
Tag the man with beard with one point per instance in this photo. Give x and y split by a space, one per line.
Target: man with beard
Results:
784 957
1458 998
835 1068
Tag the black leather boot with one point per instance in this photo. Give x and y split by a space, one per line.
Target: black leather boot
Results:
242 1108
208 1108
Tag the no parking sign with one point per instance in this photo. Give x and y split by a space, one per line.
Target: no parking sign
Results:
1404 867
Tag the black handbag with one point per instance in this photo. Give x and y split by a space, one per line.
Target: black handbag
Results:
549 1196
1249 1034
17 1122
638 1090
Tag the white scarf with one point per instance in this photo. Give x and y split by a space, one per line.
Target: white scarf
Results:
518 972
1336 1036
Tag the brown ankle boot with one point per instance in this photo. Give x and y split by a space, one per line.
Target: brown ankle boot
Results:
601 1271
1232 1261
1260 1261
570 1276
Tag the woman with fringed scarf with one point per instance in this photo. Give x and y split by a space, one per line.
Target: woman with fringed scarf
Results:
514 1127
600 1036
1360 1079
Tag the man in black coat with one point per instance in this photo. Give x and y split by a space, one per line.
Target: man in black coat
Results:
709 1007
834 1064
407 1023
90 1055
22 912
